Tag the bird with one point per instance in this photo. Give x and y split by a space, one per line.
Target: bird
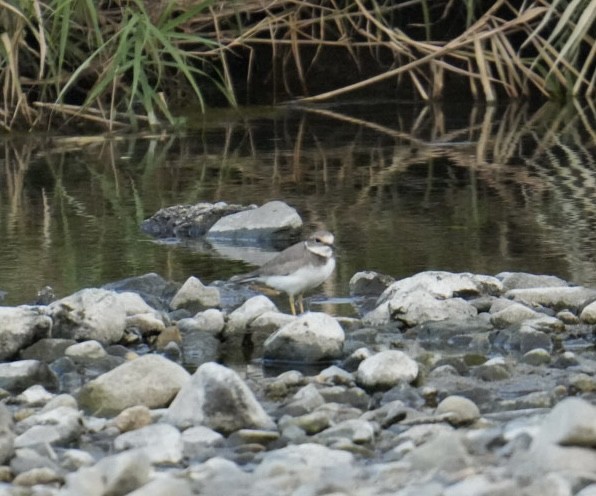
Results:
299 268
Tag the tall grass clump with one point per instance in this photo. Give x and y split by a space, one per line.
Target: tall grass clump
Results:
112 64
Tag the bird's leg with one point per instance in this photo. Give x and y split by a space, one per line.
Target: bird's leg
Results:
292 304
301 303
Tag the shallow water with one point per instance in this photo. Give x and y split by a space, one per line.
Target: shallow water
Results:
405 188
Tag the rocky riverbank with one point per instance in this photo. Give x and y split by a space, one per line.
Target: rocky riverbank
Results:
447 384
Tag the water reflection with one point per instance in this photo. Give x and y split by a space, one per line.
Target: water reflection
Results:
404 188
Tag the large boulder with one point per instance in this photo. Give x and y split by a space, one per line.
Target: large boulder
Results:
89 314
312 337
217 398
274 220
151 380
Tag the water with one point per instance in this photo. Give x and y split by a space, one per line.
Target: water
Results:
405 188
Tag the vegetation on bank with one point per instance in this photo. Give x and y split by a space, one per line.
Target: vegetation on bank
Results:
133 62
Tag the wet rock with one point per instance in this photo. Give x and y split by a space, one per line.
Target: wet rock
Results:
18 376
21 326
217 398
530 339
162 443
150 380
199 348
523 280
369 283
89 314
492 370
385 369
239 320
195 297
312 337
114 475
450 332
188 221
46 350
458 410
558 298
273 220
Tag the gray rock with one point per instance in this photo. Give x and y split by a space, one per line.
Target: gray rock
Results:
588 491
87 349
369 283
531 339
198 348
537 357
305 467
306 399
18 376
21 326
195 296
153 288
358 431
164 486
482 485
445 452
89 314
558 298
572 422
58 426
37 476
46 350
217 398
458 409
312 337
219 476
115 475
273 220
512 314
523 280
196 440
150 380
188 221
239 320
162 443
6 434
386 369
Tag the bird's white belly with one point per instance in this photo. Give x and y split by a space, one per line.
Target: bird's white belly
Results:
302 280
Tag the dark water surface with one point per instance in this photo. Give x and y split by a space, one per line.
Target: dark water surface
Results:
404 188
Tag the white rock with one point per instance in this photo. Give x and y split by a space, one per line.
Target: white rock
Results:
523 280
58 426
211 321
162 443
197 439
89 314
20 326
272 217
241 317
554 297
460 410
86 349
35 395
270 321
145 322
358 431
572 422
167 485
588 314
386 369
195 296
216 397
150 380
134 304
312 337
21 374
